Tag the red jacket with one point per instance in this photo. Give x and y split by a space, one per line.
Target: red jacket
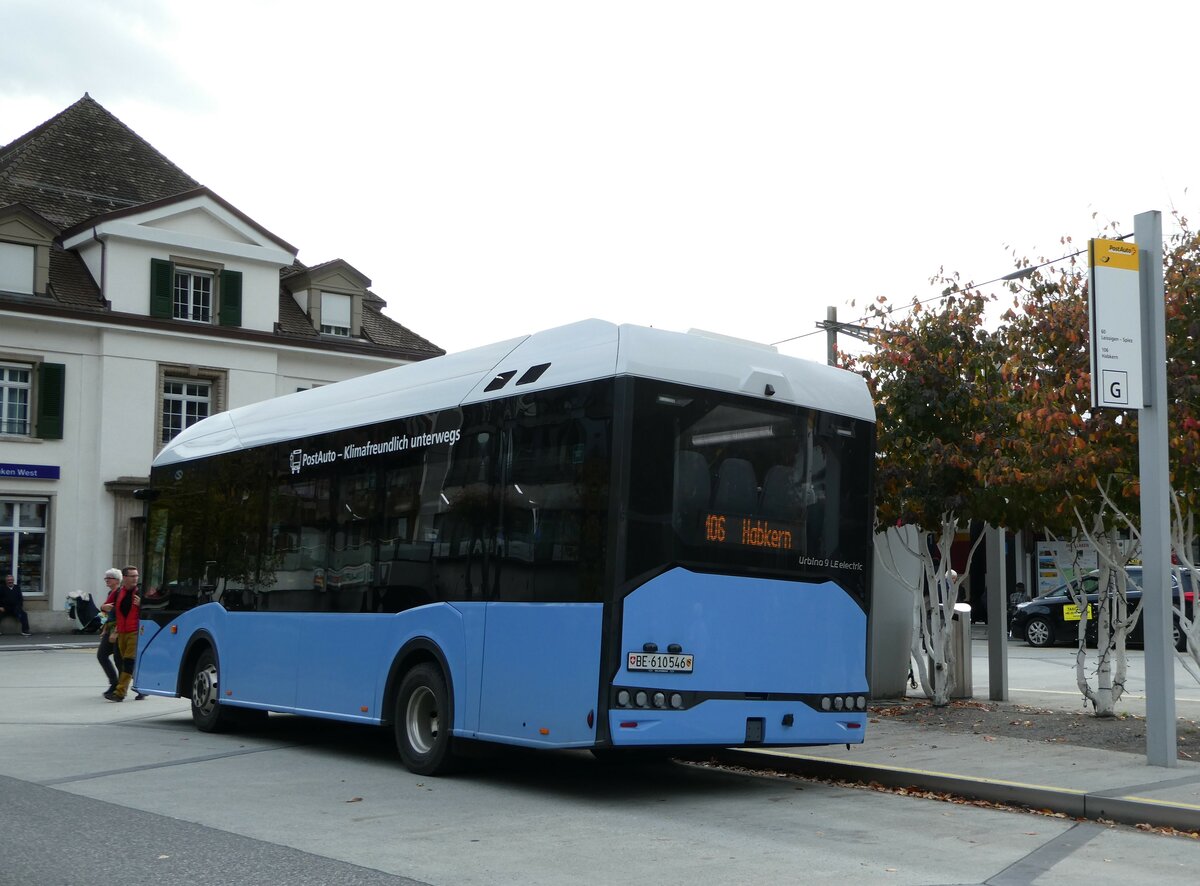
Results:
126 609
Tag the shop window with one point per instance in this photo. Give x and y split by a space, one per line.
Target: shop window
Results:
23 527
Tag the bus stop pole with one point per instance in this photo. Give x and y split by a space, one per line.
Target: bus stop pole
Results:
1155 482
997 613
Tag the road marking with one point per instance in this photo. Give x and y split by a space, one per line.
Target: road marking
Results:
1077 693
860 764
1168 803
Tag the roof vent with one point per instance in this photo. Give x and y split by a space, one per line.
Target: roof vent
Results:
533 373
500 380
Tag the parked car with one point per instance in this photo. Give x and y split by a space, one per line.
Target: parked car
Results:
1054 617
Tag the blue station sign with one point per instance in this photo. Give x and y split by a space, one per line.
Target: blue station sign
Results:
28 472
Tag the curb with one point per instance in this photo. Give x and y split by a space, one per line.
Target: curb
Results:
1094 805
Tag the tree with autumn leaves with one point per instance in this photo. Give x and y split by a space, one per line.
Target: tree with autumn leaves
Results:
1079 465
1181 278
993 422
935 374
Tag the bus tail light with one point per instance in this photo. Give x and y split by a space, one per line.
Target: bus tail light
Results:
844 703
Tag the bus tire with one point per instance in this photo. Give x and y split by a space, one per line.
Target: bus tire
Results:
423 721
208 714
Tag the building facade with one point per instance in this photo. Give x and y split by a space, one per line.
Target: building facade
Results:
133 303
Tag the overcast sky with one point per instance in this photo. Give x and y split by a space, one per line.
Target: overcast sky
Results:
502 167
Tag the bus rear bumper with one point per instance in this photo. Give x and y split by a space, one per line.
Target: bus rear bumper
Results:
736 723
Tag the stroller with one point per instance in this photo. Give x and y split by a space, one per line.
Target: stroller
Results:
81 608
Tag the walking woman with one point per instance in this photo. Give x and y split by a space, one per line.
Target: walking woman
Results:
107 653
126 605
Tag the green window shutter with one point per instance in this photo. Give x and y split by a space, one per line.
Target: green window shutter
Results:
231 298
52 378
162 282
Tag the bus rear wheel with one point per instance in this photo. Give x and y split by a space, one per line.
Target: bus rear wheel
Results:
423 721
208 714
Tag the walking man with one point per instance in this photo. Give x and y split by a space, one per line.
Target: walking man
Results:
126 607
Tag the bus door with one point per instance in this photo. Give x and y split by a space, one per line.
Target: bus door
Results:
541 657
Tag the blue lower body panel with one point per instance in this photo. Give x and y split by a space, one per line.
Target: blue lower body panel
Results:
764 654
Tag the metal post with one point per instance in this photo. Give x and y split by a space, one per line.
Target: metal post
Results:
997 614
1021 563
960 644
1155 481
831 336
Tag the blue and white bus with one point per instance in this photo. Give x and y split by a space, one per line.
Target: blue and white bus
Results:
597 536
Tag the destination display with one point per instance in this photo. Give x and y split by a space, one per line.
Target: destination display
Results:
751 532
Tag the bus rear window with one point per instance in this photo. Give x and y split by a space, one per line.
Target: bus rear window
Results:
722 481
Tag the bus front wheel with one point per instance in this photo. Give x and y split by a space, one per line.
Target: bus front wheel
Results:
208 714
423 720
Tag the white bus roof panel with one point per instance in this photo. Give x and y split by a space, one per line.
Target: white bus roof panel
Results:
579 352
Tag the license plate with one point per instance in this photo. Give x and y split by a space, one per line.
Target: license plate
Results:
657 661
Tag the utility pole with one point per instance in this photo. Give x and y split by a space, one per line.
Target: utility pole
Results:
832 327
831 335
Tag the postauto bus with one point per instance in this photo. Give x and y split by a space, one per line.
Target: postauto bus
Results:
597 536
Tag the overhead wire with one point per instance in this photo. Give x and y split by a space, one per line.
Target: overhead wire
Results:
1018 274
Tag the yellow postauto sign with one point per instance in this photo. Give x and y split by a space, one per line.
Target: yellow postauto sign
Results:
1115 321
1115 254
1071 612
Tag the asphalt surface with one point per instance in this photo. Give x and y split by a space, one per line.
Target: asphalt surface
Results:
1082 783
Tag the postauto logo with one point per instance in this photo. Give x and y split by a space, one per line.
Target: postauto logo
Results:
300 459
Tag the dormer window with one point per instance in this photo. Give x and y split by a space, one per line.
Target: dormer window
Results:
25 239
332 295
335 314
193 295
16 268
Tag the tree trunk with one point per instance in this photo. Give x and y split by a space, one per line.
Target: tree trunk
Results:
933 610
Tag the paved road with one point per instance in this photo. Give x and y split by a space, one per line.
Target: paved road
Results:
1047 677
306 802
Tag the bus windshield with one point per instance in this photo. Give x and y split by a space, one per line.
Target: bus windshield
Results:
722 482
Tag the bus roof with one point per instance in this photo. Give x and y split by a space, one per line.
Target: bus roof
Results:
584 351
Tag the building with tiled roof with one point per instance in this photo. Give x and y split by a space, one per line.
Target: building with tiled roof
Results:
134 301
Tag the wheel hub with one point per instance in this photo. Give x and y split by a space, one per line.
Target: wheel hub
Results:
204 690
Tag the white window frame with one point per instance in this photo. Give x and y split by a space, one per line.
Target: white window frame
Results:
194 391
216 379
190 301
16 397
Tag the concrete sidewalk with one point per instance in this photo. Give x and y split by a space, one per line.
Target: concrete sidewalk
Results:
1075 781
